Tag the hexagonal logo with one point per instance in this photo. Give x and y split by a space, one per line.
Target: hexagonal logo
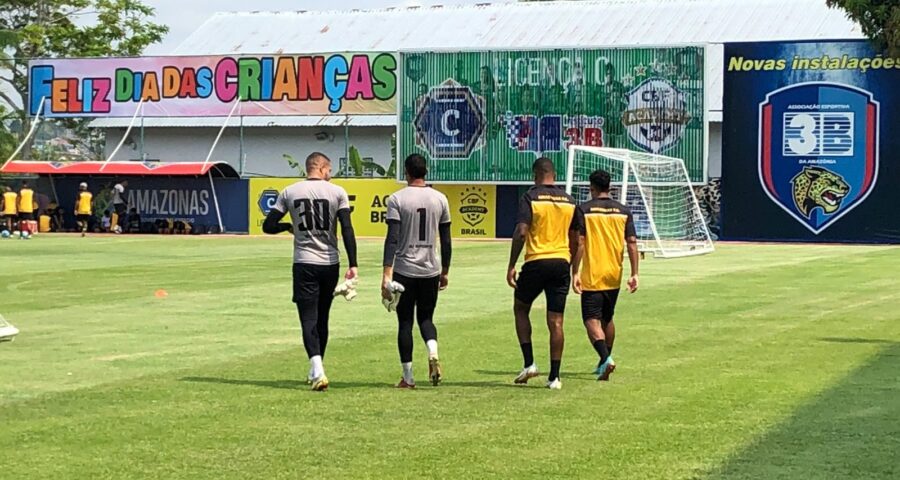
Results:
267 200
449 121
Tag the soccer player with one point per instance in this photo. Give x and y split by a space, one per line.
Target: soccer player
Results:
120 206
546 226
316 206
83 208
606 227
26 205
415 215
10 207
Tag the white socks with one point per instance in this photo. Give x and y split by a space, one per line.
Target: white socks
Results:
408 373
316 369
432 348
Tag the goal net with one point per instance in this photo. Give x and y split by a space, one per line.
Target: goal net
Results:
667 218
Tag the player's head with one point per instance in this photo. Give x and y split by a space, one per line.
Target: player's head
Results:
599 182
415 167
24 184
6 188
543 171
318 166
82 186
124 183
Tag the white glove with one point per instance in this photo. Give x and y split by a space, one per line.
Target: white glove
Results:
396 289
346 289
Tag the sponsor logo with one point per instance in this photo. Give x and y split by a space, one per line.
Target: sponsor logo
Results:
473 207
450 121
267 200
656 115
551 133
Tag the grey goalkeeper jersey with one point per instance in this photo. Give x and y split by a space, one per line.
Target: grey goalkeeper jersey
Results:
313 205
419 210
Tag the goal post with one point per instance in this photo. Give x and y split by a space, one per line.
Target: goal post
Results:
657 190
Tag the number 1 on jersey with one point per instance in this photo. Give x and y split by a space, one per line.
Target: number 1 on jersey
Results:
422 221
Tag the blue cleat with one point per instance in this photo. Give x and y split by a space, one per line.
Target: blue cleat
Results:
605 369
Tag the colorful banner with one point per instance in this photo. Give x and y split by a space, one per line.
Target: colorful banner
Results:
340 83
472 209
809 142
485 116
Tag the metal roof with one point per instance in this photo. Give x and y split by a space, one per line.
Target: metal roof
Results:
607 23
260 121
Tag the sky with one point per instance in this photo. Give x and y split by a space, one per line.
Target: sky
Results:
184 16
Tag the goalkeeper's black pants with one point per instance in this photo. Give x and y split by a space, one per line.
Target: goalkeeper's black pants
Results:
313 293
419 299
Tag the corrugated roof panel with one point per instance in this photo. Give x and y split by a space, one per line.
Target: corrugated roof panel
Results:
607 23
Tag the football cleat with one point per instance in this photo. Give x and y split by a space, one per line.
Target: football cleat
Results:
320 384
556 384
605 369
434 371
403 384
7 331
396 289
346 289
526 374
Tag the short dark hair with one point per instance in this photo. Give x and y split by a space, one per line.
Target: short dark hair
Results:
24 184
600 180
415 166
314 160
543 166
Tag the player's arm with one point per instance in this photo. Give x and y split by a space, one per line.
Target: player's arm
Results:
349 236
634 256
577 231
391 244
446 244
523 223
272 225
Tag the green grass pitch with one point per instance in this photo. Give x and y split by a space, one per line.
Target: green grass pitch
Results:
758 361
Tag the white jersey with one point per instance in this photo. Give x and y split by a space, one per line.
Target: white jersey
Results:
420 210
314 205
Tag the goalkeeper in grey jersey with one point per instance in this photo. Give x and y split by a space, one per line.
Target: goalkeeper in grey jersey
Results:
416 215
315 206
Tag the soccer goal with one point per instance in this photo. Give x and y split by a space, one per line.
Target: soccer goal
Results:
657 189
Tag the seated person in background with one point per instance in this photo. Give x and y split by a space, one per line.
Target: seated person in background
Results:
57 218
105 222
134 221
164 226
182 228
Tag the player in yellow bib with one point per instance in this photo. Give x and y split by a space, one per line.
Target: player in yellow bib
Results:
83 207
10 207
26 202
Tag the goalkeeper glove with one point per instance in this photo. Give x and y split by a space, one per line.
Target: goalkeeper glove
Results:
396 289
346 289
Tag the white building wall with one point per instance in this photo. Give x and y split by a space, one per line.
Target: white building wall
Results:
263 147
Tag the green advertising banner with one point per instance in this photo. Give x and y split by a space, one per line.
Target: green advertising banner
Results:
485 116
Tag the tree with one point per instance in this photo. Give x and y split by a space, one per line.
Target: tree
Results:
63 28
879 19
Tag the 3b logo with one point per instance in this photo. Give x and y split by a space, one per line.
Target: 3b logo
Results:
818 150
818 133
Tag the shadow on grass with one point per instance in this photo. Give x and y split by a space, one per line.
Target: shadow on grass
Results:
283 384
849 431
872 341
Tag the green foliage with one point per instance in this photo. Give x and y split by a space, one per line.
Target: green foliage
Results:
879 19
8 141
358 166
48 28
294 164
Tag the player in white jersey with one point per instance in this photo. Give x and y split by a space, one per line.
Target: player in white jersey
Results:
316 206
415 216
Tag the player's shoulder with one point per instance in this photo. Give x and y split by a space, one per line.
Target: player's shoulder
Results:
604 205
549 193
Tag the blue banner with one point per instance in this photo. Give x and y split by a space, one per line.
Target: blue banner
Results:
186 199
809 143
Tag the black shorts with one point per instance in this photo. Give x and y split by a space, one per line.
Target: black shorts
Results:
313 281
599 305
26 216
421 293
120 209
550 276
86 217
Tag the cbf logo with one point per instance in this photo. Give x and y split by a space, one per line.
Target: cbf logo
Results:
818 150
473 208
266 201
656 115
450 121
